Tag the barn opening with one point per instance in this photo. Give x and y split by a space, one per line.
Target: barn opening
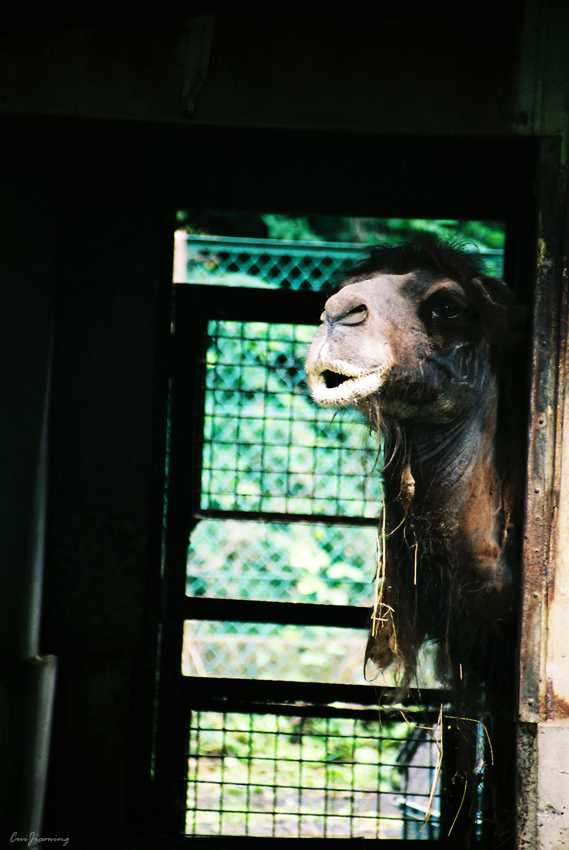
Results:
271 523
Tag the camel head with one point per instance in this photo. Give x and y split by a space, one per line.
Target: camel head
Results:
418 328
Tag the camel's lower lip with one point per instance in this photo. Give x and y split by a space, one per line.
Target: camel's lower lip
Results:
331 387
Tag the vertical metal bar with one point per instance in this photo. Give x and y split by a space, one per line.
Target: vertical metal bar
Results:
327 775
210 392
222 773
338 477
378 794
433 759
249 766
197 767
406 767
353 777
239 393
263 488
275 771
289 422
188 363
300 773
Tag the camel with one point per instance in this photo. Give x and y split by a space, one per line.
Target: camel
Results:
416 338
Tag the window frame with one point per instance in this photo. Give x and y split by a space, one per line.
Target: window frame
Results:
193 307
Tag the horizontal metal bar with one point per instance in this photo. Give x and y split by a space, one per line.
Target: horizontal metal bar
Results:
277 247
195 780
228 303
274 516
279 734
264 696
384 713
225 842
285 613
290 247
296 813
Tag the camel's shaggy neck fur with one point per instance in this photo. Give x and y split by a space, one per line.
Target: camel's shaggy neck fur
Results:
447 516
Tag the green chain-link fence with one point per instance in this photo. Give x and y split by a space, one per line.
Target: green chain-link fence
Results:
276 263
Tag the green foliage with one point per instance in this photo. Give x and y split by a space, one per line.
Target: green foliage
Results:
327 228
370 231
298 229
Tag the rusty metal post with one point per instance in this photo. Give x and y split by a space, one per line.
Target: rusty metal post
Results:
543 727
543 719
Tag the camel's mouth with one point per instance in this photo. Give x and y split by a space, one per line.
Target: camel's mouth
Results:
338 384
333 379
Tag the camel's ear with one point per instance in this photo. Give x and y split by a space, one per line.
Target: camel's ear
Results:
494 288
499 311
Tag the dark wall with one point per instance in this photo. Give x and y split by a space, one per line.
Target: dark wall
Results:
28 257
408 66
110 270
28 260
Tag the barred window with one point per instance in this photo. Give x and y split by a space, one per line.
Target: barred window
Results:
270 546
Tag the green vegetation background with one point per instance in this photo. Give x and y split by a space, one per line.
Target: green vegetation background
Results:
325 228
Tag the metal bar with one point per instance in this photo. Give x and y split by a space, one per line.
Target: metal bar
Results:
200 842
296 613
274 516
251 305
386 716
262 696
293 248
187 353
276 247
327 777
324 815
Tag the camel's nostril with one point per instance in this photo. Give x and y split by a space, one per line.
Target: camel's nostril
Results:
346 308
355 316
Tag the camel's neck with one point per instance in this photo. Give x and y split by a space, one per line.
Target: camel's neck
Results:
456 488
447 458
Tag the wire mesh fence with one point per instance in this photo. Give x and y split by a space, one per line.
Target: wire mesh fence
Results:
261 262
267 449
269 561
276 263
343 775
291 653
272 651
266 446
